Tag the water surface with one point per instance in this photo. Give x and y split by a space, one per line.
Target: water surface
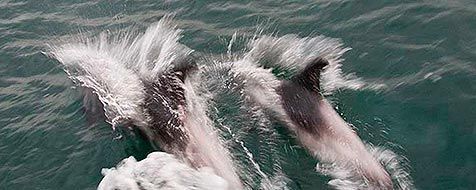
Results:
422 52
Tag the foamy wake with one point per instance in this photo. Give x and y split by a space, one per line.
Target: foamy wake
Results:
159 171
113 66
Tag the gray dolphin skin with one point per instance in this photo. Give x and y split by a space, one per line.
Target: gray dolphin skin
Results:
321 130
165 106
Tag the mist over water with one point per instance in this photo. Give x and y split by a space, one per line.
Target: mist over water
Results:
405 87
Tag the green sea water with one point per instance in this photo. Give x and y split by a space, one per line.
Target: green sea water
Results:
423 52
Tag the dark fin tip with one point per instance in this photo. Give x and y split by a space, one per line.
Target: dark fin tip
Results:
185 67
309 76
315 67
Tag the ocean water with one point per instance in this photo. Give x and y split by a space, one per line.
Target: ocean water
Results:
404 82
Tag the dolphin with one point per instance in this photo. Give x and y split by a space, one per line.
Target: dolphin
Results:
321 130
174 123
179 127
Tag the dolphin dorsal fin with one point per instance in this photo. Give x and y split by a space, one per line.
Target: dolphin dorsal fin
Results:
183 69
309 76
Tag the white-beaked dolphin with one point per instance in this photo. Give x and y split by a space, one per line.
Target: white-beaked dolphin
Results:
321 130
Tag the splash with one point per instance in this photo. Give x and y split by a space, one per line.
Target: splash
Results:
204 138
345 179
159 171
263 160
118 88
113 65
292 53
